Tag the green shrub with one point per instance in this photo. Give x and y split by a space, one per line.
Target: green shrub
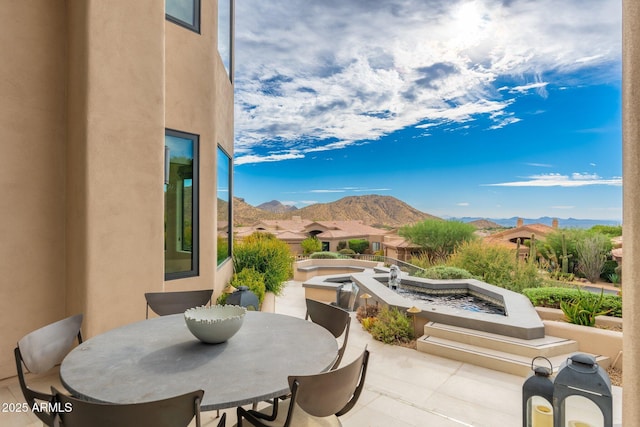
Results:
496 265
438 238
443 272
324 255
346 251
608 269
367 311
311 245
252 279
609 230
341 245
551 297
358 245
392 326
267 255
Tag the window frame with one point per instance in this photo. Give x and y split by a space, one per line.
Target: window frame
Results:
195 27
195 207
229 215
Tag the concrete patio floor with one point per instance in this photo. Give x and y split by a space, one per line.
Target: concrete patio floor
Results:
404 388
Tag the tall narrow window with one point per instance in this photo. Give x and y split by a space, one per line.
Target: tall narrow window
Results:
184 12
223 191
180 205
225 34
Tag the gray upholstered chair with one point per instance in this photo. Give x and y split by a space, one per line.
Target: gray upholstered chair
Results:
175 411
41 350
334 319
316 400
165 303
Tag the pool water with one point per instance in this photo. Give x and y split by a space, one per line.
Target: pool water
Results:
462 301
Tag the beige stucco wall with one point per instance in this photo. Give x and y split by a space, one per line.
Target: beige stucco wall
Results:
88 88
32 158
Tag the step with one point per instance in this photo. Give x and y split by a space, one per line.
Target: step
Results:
490 358
548 346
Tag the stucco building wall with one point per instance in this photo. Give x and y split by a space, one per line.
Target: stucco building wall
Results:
88 89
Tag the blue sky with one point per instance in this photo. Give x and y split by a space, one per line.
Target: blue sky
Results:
491 108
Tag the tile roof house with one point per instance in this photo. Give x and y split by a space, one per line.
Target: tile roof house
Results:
330 233
524 233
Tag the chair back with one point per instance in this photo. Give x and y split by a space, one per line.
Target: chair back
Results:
334 319
44 348
175 411
333 392
165 303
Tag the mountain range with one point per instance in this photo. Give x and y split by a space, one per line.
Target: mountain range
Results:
382 211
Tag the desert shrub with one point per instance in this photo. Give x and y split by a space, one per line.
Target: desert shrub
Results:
359 245
367 311
496 265
392 326
341 245
444 272
267 255
608 269
311 245
438 238
252 279
324 255
551 297
608 230
592 254
346 251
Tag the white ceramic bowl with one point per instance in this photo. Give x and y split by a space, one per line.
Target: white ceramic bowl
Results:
214 324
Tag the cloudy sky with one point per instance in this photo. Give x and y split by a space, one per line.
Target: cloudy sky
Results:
493 108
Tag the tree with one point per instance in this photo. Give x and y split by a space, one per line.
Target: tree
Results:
267 255
311 245
438 238
358 245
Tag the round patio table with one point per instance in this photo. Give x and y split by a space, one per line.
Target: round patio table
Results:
159 358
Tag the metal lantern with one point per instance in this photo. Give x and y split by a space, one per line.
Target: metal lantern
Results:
537 396
245 298
582 394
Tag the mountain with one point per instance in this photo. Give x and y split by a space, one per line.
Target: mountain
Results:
371 210
276 207
562 222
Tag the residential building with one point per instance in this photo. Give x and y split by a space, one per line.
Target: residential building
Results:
117 123
331 234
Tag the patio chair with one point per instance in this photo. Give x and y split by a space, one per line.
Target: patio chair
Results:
316 400
41 350
175 411
334 319
165 303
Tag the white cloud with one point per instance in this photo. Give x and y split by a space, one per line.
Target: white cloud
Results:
559 180
462 204
563 207
317 76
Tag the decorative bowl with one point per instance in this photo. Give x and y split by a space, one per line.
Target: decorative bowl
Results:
215 324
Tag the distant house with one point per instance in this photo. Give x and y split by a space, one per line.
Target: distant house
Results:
400 248
330 233
522 232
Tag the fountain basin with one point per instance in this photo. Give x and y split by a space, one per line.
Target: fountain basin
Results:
519 320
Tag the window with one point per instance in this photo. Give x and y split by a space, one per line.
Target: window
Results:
180 205
184 12
225 34
223 190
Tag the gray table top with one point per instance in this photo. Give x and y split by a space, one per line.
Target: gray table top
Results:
159 358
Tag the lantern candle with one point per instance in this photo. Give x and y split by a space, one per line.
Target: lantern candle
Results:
542 416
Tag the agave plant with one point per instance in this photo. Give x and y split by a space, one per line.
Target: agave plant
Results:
583 309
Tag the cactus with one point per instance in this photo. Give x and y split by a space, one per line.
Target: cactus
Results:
532 248
565 257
